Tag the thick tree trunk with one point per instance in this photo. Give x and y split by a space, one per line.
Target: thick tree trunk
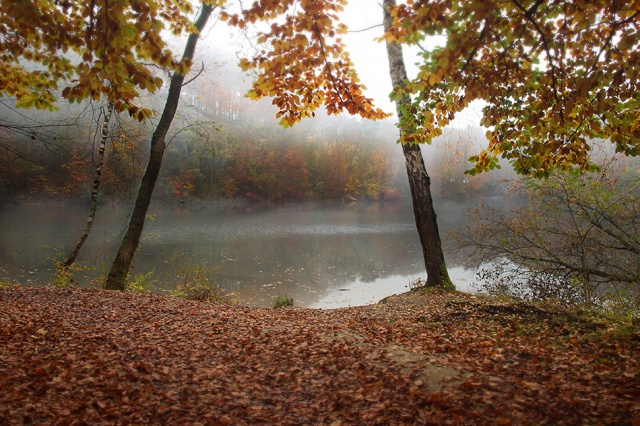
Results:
94 191
116 279
419 181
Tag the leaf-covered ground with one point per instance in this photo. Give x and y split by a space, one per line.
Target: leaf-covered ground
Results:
71 356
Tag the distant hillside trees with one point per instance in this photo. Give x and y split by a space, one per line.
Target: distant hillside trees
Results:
234 150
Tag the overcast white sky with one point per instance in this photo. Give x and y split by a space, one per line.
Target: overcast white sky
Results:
369 56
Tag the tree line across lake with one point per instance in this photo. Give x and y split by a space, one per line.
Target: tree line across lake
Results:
226 146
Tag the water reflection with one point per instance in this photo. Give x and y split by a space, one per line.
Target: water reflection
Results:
321 255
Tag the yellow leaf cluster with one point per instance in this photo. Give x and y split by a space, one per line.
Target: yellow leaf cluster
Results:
91 49
304 64
552 75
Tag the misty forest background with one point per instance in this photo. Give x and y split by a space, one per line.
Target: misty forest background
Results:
223 146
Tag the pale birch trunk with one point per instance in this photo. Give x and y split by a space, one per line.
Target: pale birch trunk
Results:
94 190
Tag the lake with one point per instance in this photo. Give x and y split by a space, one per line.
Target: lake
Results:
324 255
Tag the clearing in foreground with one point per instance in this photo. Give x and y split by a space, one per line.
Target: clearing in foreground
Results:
72 356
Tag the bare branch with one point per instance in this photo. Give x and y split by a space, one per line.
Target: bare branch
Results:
196 76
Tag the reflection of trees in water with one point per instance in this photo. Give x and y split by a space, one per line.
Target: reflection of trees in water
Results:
317 261
307 249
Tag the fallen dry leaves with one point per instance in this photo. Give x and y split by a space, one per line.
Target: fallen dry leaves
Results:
71 356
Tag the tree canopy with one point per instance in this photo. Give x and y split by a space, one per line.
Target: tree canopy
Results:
301 61
552 75
88 50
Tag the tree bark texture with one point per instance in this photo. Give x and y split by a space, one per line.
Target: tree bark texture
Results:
94 191
117 277
419 181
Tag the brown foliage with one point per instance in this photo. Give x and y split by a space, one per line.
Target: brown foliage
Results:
72 356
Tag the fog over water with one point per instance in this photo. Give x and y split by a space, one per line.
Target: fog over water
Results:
322 255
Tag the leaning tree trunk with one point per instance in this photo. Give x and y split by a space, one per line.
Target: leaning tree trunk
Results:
94 191
116 279
419 181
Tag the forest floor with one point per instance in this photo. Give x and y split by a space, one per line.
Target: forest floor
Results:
72 356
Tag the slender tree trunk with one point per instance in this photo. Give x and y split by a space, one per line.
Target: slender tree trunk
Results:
419 181
116 279
94 191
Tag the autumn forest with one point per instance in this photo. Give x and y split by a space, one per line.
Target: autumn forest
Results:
225 146
475 228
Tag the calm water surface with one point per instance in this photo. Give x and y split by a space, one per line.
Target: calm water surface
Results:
323 256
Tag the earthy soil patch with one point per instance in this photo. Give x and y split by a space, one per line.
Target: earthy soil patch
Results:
71 356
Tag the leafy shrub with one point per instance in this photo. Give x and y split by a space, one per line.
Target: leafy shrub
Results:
503 278
283 301
193 283
64 274
572 237
141 283
62 278
418 283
